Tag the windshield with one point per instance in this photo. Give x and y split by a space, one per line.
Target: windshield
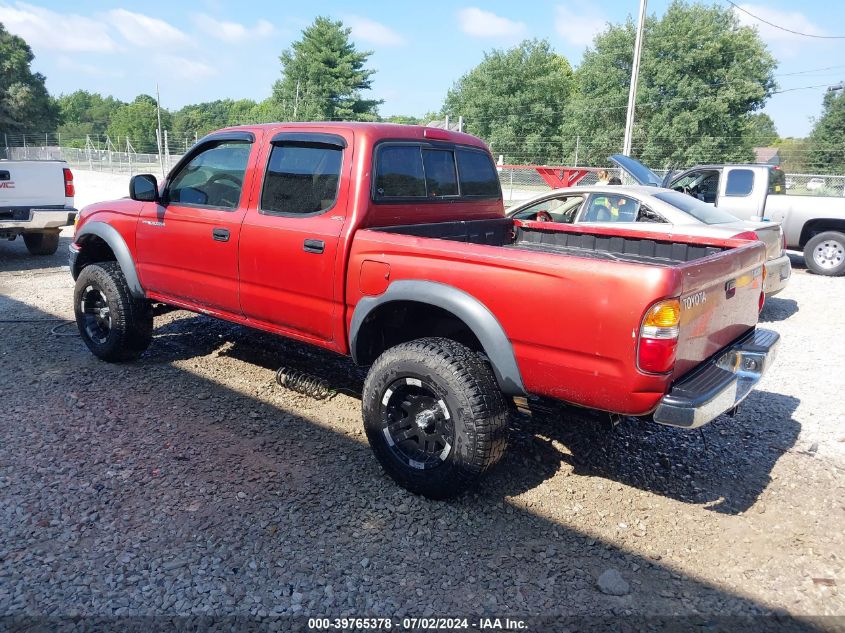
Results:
701 211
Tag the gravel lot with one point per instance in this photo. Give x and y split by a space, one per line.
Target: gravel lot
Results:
188 483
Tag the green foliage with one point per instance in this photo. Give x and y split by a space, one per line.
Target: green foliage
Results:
761 130
200 118
515 100
25 106
827 140
403 119
138 122
85 113
701 76
793 154
323 76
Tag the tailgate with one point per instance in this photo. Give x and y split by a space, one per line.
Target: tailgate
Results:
32 184
719 302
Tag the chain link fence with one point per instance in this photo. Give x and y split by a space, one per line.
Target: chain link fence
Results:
121 156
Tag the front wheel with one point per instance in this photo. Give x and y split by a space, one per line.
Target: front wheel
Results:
824 254
434 416
113 324
45 243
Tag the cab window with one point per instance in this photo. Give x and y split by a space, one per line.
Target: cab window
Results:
301 178
740 182
212 178
611 208
562 210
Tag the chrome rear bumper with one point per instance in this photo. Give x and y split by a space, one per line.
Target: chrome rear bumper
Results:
720 384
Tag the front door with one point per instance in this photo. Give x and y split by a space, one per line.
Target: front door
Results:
188 245
289 240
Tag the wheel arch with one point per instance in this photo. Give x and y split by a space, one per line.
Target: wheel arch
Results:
467 311
96 237
815 226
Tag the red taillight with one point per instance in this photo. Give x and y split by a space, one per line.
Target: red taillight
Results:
783 238
762 301
658 340
70 191
746 235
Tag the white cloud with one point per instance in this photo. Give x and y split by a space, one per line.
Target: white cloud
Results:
185 68
232 31
480 23
146 32
782 43
374 32
68 63
580 25
45 29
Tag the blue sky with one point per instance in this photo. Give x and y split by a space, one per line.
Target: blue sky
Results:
200 51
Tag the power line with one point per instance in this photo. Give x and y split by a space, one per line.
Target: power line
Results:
783 28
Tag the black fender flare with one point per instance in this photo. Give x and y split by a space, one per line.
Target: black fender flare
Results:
497 347
117 244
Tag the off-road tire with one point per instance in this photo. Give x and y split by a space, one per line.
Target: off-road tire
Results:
837 242
477 409
131 319
45 243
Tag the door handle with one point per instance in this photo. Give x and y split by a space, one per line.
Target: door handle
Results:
314 246
220 235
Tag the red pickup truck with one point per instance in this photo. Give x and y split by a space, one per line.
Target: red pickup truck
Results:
389 243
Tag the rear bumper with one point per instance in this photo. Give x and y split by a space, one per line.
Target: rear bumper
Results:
720 384
21 220
778 272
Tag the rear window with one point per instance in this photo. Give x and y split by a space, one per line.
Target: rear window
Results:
740 182
777 180
701 211
301 178
421 171
477 173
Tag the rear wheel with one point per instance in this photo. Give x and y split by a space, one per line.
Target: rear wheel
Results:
113 324
434 416
45 243
824 254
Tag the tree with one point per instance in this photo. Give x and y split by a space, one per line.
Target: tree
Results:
827 140
793 154
515 100
701 76
85 113
138 121
761 130
25 105
323 76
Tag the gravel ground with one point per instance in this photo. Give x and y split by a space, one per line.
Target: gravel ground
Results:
188 483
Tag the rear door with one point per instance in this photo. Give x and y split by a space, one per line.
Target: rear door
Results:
289 239
187 247
32 184
742 191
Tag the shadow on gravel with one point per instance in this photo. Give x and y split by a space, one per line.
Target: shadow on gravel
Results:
778 309
724 466
15 257
145 488
796 258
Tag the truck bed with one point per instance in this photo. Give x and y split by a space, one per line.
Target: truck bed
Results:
565 240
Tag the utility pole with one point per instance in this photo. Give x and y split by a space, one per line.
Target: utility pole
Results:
635 75
296 101
158 131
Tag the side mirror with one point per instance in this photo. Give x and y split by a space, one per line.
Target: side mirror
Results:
144 188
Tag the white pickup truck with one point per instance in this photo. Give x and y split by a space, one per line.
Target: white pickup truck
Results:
812 224
36 201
